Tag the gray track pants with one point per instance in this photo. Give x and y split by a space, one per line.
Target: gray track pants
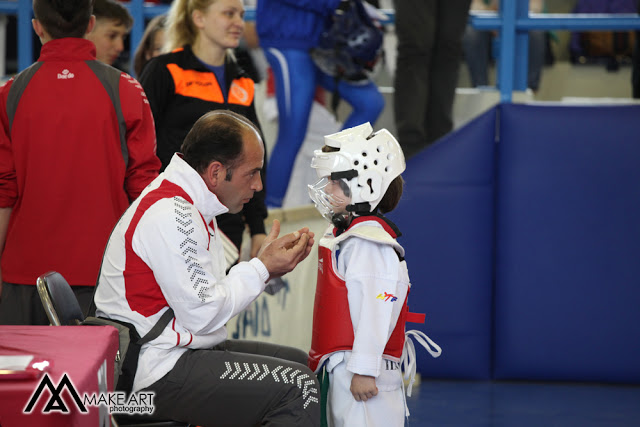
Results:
240 383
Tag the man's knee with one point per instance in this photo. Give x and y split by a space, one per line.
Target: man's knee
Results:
303 380
303 403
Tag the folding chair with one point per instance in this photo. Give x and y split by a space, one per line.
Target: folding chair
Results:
58 300
63 309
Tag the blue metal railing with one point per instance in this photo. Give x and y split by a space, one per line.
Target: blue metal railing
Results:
513 21
22 10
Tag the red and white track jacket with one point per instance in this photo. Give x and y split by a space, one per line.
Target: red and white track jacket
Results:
167 251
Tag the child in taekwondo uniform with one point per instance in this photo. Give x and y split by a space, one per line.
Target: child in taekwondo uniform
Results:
359 341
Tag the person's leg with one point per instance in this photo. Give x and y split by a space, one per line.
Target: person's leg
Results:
343 409
21 305
451 21
477 53
291 354
384 409
365 99
415 28
635 71
228 388
295 82
537 44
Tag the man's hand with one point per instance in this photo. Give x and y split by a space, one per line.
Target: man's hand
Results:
363 387
281 255
256 243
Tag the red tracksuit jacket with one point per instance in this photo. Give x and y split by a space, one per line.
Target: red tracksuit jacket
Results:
77 144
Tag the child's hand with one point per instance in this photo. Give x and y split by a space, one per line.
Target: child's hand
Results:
363 387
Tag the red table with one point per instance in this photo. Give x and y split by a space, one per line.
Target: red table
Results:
85 353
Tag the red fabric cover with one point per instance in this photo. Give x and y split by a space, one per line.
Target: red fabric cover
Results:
78 351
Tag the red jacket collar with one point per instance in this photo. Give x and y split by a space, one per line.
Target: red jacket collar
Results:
68 48
389 226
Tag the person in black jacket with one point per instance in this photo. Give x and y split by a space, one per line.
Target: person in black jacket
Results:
200 74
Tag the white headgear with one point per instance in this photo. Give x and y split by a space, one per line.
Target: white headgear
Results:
368 161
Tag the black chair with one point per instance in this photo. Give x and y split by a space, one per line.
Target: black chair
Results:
58 300
63 309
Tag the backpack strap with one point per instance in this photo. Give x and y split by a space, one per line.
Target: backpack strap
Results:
129 345
158 327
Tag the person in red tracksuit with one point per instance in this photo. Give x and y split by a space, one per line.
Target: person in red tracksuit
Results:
77 145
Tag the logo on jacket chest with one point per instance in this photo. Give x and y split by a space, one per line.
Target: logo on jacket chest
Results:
198 83
387 297
239 93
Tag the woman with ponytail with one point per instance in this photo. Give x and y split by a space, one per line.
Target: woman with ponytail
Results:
200 74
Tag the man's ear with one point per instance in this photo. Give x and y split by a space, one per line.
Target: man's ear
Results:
214 174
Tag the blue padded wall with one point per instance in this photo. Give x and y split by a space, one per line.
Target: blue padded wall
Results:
446 215
567 292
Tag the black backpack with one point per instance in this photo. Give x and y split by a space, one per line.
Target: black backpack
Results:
350 45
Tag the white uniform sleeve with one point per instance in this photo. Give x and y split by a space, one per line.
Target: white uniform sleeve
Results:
371 273
189 267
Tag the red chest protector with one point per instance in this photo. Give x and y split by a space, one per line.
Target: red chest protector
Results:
332 326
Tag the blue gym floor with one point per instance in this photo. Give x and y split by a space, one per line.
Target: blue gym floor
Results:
523 404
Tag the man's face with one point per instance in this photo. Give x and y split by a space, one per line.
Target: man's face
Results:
245 179
108 36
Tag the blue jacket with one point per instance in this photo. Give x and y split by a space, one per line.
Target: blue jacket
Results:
292 24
